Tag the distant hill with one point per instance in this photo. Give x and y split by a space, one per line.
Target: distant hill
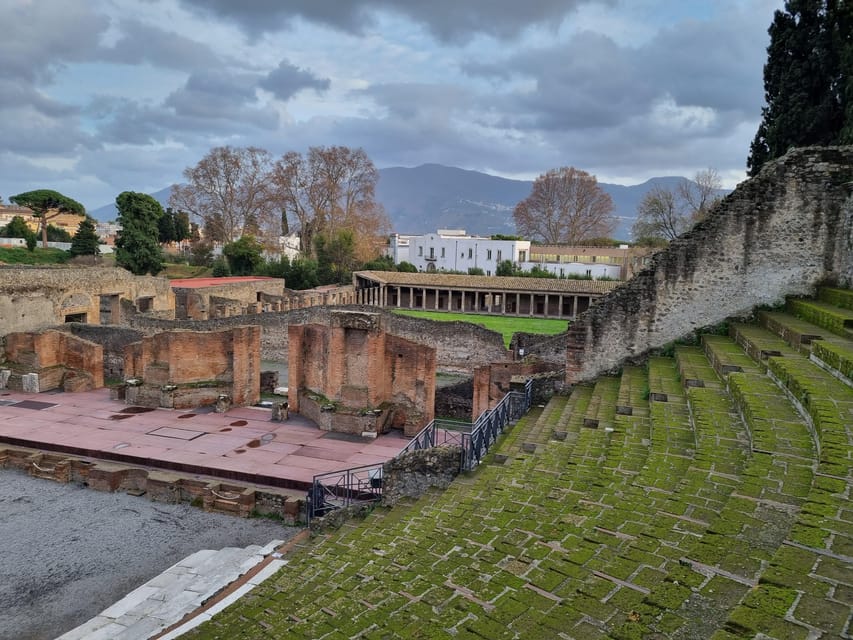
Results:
109 211
433 196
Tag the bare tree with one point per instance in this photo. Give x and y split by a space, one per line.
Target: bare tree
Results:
229 191
701 194
566 205
330 190
667 213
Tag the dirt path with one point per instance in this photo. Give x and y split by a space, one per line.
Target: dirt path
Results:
66 553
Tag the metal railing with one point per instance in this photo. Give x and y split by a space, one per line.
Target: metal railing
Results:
338 489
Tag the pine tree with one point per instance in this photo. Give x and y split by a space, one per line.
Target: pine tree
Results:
807 84
85 242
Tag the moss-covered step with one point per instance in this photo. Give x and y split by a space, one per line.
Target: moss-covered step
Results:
835 319
838 297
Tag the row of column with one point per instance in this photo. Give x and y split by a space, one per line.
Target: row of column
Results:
482 301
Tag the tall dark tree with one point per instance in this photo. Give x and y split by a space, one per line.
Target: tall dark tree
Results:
137 246
17 228
85 242
166 227
47 205
807 80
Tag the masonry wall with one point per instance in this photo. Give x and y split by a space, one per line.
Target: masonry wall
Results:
459 346
492 382
355 365
778 234
33 298
61 360
200 365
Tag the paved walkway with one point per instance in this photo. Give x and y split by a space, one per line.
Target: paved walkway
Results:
241 444
182 588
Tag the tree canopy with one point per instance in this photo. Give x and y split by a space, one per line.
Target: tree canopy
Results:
808 80
85 242
565 205
137 246
46 205
244 256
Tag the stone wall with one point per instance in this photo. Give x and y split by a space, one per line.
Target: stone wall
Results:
551 349
778 234
226 299
186 369
459 346
352 363
33 298
492 382
413 473
52 360
113 340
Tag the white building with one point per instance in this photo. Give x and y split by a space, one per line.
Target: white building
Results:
453 250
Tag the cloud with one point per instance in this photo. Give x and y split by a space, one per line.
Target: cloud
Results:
146 43
447 20
40 36
220 95
287 80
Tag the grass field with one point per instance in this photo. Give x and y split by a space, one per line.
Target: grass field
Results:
19 255
505 325
173 270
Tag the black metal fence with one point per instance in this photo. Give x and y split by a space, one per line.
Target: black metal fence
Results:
338 489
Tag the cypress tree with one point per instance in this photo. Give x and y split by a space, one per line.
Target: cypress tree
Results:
807 87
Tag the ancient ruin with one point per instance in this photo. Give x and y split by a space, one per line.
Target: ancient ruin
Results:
187 369
43 361
352 376
776 235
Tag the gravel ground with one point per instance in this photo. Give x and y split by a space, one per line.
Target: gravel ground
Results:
67 553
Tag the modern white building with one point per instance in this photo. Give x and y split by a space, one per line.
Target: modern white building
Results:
454 250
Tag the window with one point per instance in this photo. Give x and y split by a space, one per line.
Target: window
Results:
488 273
442 252
432 252
499 255
522 256
589 273
488 254
420 251
470 253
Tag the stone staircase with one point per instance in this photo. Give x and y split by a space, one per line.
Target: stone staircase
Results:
705 495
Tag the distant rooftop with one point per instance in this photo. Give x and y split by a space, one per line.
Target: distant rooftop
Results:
200 283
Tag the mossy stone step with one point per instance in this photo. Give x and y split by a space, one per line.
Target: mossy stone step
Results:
835 319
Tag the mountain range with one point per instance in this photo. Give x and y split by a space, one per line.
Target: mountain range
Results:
432 196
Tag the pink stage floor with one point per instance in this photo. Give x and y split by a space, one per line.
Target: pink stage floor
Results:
242 444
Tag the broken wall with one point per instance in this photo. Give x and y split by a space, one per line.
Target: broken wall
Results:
186 369
778 234
57 360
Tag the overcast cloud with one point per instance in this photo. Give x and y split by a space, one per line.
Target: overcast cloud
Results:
624 89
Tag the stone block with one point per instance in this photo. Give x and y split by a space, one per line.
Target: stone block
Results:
30 383
4 377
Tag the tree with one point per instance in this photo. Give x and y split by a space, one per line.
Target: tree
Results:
808 84
137 248
166 232
228 191
85 242
336 257
16 228
47 205
667 213
566 205
329 190
244 256
57 234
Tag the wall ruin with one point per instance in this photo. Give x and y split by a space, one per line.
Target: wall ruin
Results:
778 234
33 298
188 369
351 365
49 360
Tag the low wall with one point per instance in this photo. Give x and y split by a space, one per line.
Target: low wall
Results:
413 473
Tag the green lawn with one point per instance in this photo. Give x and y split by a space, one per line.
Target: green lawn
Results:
505 325
19 255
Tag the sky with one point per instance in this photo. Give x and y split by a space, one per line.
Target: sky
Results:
103 96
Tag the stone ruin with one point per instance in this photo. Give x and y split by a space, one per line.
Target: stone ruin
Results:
351 376
43 361
188 369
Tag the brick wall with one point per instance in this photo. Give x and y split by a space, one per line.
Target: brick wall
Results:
61 360
778 234
201 365
352 362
